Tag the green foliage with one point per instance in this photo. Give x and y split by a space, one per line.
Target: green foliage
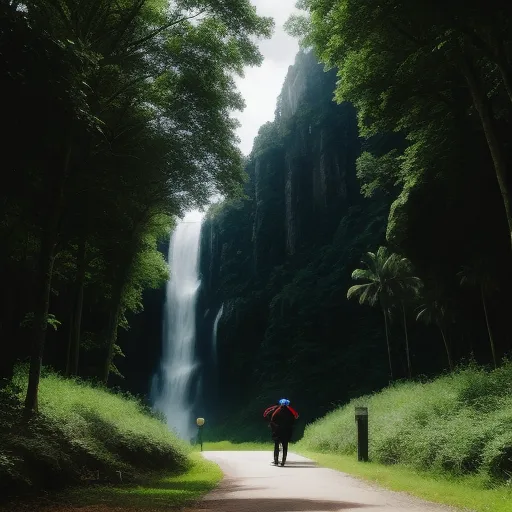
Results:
380 49
141 96
149 270
388 279
378 173
266 140
161 493
451 151
390 283
469 492
81 429
28 321
458 423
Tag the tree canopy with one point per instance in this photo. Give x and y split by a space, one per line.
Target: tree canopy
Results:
121 119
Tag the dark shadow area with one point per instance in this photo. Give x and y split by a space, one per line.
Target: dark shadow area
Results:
279 505
194 486
303 466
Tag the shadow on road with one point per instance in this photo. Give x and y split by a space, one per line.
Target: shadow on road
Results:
301 465
278 505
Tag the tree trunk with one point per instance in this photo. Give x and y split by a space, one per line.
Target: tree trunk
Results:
46 260
450 364
47 251
498 156
491 340
387 342
118 290
113 323
70 337
506 76
494 51
409 368
78 306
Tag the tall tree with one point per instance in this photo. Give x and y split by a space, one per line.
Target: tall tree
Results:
435 310
381 48
389 280
132 76
408 288
478 275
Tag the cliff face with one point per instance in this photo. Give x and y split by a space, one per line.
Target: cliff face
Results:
280 260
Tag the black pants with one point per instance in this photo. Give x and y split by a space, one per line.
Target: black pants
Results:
276 449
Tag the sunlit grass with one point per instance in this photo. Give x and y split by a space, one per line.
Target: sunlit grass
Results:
100 421
83 433
448 440
231 446
459 423
159 493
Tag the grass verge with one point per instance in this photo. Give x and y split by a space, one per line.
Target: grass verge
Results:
469 492
156 494
229 446
83 435
459 424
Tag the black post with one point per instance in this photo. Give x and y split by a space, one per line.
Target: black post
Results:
362 433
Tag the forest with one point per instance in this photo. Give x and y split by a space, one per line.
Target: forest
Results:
119 121
394 196
365 243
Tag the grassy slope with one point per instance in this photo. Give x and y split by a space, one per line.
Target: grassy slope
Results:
82 432
459 423
113 428
449 440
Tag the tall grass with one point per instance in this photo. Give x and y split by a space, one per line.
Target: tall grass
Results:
109 426
82 432
459 423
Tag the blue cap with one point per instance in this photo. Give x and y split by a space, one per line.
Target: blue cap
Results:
284 401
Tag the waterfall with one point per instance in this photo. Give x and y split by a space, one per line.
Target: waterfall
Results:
214 334
175 396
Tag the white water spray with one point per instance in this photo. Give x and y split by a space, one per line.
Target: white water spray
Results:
214 334
175 397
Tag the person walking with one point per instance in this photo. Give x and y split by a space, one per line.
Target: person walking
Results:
281 419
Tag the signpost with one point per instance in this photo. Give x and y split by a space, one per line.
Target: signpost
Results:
200 424
362 433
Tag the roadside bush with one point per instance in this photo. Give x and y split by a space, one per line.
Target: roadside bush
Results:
460 423
81 433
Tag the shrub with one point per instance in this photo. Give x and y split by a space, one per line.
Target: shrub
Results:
80 431
460 423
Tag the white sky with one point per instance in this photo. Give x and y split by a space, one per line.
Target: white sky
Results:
261 86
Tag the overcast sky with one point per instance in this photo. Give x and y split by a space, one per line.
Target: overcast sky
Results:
261 86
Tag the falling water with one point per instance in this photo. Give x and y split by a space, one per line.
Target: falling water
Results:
214 334
174 396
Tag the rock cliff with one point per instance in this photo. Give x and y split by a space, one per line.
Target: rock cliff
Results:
280 261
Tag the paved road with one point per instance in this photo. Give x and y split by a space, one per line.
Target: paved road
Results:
252 484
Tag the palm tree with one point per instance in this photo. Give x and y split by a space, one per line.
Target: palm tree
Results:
477 275
388 278
435 311
408 289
